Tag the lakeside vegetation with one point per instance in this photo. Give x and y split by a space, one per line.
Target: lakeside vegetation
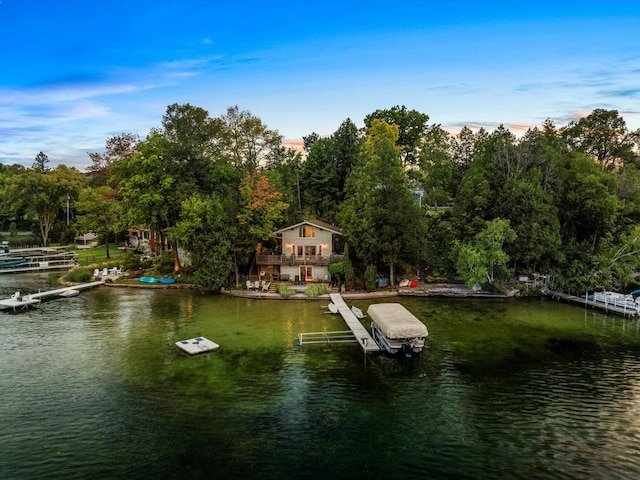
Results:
411 198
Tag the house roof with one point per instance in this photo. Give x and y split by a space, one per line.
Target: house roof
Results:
315 223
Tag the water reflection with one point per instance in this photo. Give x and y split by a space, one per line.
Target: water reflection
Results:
93 386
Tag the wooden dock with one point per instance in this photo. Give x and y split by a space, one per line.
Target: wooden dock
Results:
21 302
607 307
361 334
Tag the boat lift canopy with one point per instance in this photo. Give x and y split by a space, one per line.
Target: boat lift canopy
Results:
395 321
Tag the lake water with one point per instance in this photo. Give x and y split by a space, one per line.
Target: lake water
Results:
94 387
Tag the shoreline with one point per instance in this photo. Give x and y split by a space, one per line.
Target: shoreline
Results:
422 290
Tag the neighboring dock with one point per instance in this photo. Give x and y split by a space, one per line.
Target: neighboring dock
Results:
21 302
624 308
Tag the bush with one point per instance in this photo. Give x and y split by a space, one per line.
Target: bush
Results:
165 263
285 291
314 290
131 261
79 275
370 278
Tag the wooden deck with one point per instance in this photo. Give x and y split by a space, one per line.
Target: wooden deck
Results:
361 334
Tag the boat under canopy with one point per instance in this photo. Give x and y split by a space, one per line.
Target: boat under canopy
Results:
395 328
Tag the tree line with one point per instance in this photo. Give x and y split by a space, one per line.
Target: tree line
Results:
411 198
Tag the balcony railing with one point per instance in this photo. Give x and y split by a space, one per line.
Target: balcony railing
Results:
298 259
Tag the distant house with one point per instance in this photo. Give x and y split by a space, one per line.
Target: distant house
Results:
306 250
87 240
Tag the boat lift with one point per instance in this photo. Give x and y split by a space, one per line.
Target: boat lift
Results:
342 336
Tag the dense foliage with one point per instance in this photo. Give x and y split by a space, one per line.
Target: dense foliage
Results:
484 207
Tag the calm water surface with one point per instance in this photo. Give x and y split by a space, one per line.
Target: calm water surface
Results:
93 387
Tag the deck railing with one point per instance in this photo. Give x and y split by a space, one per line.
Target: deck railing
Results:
298 259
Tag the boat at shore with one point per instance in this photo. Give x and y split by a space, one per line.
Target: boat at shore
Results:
395 329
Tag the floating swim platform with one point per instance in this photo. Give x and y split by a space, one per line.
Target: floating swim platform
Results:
197 345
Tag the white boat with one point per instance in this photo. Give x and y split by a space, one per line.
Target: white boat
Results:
70 293
333 308
357 312
395 329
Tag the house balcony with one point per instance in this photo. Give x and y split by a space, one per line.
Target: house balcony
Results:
298 260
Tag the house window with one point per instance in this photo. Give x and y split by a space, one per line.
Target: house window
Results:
306 231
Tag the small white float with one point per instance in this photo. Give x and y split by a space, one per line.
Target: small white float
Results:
197 345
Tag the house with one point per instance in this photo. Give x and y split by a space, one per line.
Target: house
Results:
306 250
87 240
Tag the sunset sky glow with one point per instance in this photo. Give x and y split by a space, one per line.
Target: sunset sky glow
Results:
75 73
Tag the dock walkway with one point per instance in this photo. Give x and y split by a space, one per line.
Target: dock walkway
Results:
361 334
622 309
19 302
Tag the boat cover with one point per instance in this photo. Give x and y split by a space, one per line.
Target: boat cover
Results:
395 321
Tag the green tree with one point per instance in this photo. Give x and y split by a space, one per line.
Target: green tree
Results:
40 163
326 168
122 146
587 202
246 140
99 211
145 189
412 126
380 217
206 230
43 194
603 136
484 260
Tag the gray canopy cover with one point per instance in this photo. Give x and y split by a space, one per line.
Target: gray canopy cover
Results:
395 321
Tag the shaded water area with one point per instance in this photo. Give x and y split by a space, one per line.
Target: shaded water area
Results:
94 387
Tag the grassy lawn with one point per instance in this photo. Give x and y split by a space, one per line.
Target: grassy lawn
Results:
98 256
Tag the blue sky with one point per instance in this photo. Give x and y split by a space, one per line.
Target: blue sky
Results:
76 72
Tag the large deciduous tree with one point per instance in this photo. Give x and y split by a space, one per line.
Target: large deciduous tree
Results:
246 140
483 261
206 231
119 147
99 210
412 126
602 135
43 194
